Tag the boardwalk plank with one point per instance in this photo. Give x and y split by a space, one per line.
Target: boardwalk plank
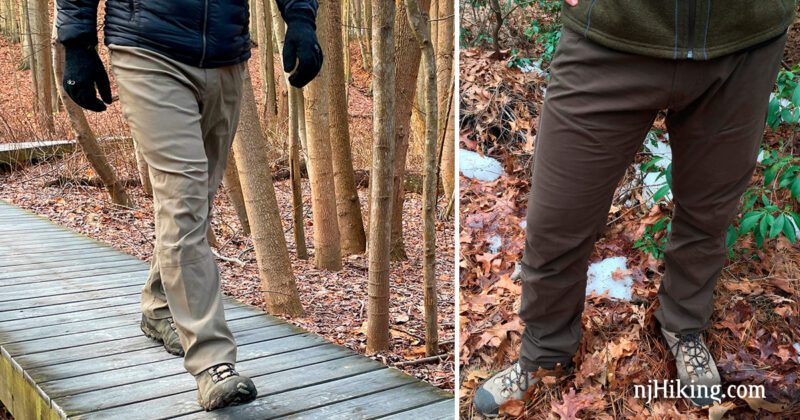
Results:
371 406
67 308
108 281
441 410
279 403
186 402
110 334
264 339
74 297
88 275
69 327
8 261
279 343
76 270
322 357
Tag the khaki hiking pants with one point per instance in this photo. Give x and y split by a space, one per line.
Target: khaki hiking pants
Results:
183 119
599 106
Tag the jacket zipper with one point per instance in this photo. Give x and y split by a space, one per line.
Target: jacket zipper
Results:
692 7
205 24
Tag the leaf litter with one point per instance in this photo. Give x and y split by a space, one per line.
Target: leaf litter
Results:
753 334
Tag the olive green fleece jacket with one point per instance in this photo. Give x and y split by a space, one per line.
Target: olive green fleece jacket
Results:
680 29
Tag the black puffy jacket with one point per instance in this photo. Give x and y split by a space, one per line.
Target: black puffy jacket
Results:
201 33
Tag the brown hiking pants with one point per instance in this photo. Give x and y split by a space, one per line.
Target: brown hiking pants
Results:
599 106
183 119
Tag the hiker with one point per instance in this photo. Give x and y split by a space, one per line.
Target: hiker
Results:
711 66
179 67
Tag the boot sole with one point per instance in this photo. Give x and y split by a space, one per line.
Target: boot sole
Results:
229 400
153 335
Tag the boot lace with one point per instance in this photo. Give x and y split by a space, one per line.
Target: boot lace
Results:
512 380
695 354
223 371
172 324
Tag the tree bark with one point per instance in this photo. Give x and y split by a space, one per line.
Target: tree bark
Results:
380 219
347 28
407 53
327 250
348 207
444 66
275 270
143 169
448 165
279 29
422 31
25 36
266 55
42 70
233 186
363 43
295 173
85 136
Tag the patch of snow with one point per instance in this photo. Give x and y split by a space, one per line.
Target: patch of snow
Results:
533 67
601 279
662 150
650 186
651 182
762 154
523 224
495 242
797 349
475 166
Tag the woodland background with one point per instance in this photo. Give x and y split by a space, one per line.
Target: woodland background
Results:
371 93
506 47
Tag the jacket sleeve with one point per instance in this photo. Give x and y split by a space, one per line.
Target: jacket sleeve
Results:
298 9
76 22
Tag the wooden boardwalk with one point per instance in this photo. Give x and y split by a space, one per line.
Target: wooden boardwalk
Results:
72 348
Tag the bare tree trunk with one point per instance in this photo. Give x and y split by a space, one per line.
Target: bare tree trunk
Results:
422 30
40 36
266 56
233 186
85 136
368 25
275 269
348 208
444 64
363 45
279 29
295 111
348 23
380 219
251 4
327 250
407 53
24 34
448 165
143 169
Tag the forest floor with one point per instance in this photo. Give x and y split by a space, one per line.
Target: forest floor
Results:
755 331
335 302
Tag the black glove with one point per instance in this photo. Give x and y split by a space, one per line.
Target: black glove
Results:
82 71
301 52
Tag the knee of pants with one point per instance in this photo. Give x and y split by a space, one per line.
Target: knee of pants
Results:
181 234
556 237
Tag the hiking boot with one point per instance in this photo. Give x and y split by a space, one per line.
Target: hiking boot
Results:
221 386
509 384
163 330
695 366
